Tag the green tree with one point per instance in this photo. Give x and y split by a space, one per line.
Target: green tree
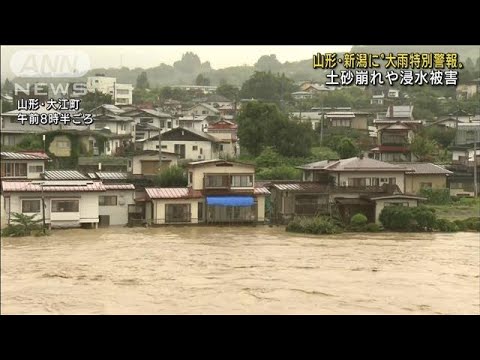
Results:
268 63
267 86
142 81
93 99
443 137
423 148
202 80
173 176
31 142
189 64
229 91
346 148
261 125
268 158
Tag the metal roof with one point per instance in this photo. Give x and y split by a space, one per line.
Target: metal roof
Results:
399 196
119 186
30 155
301 186
352 164
426 169
340 114
63 175
52 186
214 161
104 175
261 191
172 193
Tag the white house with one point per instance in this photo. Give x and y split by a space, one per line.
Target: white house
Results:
188 144
202 109
23 165
121 93
66 203
197 123
113 204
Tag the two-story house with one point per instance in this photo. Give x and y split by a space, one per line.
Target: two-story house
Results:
152 117
187 143
197 123
218 191
202 109
342 187
226 132
393 139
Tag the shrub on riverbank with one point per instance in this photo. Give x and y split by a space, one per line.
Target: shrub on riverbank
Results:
402 218
314 225
445 225
22 225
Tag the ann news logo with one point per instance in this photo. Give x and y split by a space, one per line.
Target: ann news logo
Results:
47 63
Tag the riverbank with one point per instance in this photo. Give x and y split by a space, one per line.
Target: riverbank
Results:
457 210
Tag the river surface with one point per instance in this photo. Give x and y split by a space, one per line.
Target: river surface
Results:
239 270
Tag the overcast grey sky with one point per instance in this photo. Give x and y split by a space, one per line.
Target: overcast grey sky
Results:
150 56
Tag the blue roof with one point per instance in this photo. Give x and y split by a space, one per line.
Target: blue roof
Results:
243 201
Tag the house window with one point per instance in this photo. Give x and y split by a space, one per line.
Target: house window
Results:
30 206
194 148
374 182
162 123
201 151
164 146
177 213
13 170
105 200
123 127
169 124
221 147
204 112
216 181
200 211
65 205
357 182
242 181
392 181
35 168
425 185
396 204
130 163
190 177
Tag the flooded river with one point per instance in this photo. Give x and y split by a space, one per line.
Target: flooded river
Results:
239 270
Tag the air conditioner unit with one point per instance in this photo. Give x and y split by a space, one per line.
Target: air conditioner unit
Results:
200 157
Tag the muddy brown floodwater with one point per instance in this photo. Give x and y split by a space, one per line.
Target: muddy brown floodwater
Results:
239 270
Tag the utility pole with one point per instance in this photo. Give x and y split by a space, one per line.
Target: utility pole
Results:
159 148
475 180
43 209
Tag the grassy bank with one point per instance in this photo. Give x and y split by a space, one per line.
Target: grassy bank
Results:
459 210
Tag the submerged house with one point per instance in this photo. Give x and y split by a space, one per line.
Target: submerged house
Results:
69 203
218 191
66 203
342 188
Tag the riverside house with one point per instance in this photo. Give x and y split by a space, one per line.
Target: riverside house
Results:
218 191
342 188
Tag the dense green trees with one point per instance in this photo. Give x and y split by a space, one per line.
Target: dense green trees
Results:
229 91
267 86
261 125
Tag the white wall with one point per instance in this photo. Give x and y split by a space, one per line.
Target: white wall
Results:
261 207
118 213
199 171
88 206
208 151
159 209
100 83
